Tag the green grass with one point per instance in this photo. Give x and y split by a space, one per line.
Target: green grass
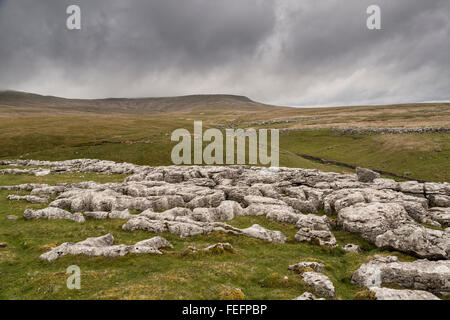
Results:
146 140
257 267
425 156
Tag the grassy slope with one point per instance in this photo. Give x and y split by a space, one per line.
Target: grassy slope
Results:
425 156
143 140
146 140
80 128
257 267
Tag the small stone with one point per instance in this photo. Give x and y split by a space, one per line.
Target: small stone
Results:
3 244
220 247
41 173
350 247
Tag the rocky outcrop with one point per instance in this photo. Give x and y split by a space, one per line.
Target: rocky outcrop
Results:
366 175
389 226
227 210
186 227
441 215
394 294
36 172
256 231
301 266
308 296
320 283
425 275
373 219
31 199
377 130
24 187
101 215
52 213
315 229
103 246
191 200
374 130
416 240
220 247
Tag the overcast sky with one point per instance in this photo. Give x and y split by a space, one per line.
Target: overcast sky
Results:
288 52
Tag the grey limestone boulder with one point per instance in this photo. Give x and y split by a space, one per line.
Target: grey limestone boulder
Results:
320 283
103 246
53 213
316 266
366 175
308 296
425 275
31 199
394 294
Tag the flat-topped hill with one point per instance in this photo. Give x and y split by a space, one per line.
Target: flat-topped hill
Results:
22 102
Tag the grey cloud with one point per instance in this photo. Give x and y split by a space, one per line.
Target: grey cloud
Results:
282 51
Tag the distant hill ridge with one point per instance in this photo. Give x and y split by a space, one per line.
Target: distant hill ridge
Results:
25 101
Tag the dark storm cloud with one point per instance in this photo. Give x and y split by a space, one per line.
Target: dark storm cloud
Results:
287 51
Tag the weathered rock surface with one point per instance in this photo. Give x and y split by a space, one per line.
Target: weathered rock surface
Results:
389 226
314 228
417 240
31 199
316 266
256 231
186 227
394 294
24 187
425 275
441 215
52 213
366 175
36 172
350 247
371 220
103 246
308 296
214 248
439 200
101 215
190 200
320 283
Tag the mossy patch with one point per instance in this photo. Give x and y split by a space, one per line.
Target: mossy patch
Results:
232 294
